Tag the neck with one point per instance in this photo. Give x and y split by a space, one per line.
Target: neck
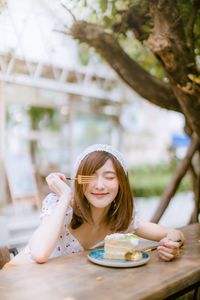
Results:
98 215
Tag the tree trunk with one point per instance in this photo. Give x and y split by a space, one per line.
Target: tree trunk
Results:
168 42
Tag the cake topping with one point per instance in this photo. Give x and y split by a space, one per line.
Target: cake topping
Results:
121 236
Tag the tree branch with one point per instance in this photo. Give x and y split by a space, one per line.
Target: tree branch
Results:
146 85
176 179
69 11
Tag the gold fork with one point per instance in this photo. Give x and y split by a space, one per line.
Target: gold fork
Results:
133 255
82 179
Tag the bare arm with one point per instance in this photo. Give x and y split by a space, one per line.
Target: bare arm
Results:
46 236
170 240
157 232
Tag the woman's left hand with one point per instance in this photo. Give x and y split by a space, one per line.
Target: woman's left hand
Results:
168 249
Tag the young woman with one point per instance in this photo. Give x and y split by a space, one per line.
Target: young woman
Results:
78 219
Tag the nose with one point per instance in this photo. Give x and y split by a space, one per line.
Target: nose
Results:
99 183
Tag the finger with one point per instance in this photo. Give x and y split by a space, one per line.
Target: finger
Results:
171 244
177 253
50 177
165 255
52 185
55 176
163 241
170 253
61 176
162 256
167 250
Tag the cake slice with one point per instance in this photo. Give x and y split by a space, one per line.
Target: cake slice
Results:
122 246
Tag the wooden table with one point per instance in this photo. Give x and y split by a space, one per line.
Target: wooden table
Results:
74 277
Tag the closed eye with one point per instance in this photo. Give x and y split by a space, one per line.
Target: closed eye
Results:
110 178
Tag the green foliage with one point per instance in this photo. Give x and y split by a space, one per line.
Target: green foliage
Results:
83 54
109 13
37 114
142 54
186 10
3 4
103 4
151 180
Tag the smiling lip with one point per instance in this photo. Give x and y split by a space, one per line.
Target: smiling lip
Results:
97 195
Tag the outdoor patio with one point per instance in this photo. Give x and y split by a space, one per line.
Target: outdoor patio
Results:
78 73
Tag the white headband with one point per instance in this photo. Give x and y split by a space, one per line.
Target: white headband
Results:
100 147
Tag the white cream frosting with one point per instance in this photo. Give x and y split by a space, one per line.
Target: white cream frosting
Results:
123 237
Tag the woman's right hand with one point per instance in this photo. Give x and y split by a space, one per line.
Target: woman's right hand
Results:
57 184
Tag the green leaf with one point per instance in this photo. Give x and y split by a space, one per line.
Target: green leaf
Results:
103 5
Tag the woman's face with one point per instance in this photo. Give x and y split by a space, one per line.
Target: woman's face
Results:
103 189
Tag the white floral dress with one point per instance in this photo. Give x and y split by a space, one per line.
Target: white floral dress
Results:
67 243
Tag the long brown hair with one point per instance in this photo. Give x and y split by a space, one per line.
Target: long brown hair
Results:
120 212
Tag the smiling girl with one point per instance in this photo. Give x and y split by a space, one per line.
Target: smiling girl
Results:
78 219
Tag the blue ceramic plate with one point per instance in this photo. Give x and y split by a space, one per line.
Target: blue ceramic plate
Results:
97 257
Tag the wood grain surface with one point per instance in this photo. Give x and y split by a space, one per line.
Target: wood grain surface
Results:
73 277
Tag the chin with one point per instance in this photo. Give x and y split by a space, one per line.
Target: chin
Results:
100 205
